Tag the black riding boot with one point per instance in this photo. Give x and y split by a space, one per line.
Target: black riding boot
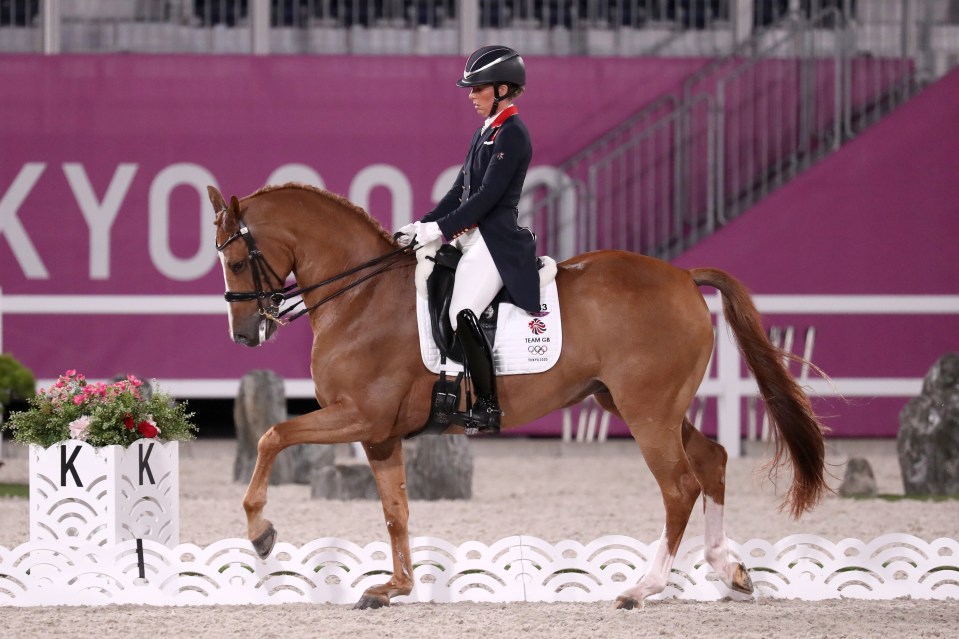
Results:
485 412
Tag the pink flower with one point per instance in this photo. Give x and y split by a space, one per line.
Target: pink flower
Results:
70 373
78 399
133 380
79 426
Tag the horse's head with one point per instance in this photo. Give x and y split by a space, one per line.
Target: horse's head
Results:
254 270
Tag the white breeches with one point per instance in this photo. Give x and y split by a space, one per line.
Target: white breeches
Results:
477 280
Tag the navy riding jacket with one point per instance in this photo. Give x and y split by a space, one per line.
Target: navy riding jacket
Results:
486 194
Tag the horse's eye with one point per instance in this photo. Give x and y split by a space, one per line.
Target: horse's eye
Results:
236 267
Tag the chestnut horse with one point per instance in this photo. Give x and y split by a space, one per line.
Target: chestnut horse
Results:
638 336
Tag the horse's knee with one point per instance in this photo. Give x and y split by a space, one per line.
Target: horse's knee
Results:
268 443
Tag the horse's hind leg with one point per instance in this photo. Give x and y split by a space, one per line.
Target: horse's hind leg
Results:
708 460
663 450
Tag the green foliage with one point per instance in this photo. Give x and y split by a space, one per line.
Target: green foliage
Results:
100 414
14 490
16 381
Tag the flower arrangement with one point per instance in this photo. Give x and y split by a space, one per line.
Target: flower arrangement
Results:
100 414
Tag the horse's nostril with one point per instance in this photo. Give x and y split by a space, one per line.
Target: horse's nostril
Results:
241 338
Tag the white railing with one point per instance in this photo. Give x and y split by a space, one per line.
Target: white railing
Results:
728 385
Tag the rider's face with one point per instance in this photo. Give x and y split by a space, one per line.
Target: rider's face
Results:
482 99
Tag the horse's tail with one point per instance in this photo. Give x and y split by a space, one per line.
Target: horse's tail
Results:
796 428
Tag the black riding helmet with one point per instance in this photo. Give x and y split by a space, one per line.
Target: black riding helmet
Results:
494 65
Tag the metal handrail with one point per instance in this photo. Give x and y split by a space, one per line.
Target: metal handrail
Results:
708 189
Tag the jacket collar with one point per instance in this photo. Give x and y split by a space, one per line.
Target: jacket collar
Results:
501 117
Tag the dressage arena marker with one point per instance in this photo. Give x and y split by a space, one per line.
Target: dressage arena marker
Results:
519 568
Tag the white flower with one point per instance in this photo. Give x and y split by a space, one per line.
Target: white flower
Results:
79 426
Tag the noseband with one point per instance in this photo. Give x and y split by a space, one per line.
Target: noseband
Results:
261 275
269 301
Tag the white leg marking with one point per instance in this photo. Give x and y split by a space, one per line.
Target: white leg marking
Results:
655 579
717 546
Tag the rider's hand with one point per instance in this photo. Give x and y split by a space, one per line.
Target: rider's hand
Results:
405 235
427 232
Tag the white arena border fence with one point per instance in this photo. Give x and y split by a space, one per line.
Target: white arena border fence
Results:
727 385
519 568
514 569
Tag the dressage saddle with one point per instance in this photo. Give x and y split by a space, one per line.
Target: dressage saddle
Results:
439 290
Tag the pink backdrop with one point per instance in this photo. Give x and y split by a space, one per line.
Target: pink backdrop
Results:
86 137
879 217
104 159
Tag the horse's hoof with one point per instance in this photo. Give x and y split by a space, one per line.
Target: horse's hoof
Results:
627 603
372 602
263 544
741 581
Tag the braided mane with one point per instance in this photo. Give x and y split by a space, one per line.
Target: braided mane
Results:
336 199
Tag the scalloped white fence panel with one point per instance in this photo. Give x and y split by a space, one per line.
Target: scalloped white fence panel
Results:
85 496
513 569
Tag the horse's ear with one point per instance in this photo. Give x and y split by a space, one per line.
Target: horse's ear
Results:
216 199
227 218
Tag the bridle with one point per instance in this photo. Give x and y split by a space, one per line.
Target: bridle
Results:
269 300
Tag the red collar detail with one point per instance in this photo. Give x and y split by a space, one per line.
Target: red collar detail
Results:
509 111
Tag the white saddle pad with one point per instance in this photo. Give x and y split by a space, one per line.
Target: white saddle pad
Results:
525 343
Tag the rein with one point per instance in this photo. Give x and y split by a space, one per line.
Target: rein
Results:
276 296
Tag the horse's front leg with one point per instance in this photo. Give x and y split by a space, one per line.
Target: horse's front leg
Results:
386 460
338 423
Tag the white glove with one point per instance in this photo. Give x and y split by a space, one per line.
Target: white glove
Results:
427 233
405 235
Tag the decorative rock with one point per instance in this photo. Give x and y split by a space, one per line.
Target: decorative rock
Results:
344 482
859 480
307 458
439 468
436 468
261 403
928 441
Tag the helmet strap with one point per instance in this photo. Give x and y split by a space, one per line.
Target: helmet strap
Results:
496 98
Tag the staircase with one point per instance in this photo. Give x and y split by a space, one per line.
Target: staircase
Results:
739 128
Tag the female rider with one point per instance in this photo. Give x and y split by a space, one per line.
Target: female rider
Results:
479 213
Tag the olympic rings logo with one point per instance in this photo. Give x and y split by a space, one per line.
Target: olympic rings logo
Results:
538 349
